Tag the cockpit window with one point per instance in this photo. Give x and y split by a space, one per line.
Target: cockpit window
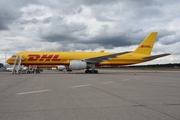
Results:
13 56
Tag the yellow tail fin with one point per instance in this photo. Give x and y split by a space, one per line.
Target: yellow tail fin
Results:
147 44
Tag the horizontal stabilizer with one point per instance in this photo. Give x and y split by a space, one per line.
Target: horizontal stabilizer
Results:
155 56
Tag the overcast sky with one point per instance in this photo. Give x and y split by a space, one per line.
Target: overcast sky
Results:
89 25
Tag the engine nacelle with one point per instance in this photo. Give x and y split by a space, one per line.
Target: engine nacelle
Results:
77 65
61 67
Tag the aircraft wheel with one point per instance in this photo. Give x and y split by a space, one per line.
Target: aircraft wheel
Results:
86 71
91 71
96 71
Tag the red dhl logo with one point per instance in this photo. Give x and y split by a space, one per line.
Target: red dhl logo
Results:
145 46
45 57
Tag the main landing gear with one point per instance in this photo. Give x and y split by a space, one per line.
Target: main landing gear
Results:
91 71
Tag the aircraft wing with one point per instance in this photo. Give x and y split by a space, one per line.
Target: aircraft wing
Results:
155 56
104 58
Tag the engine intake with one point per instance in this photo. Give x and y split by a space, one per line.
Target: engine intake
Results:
77 65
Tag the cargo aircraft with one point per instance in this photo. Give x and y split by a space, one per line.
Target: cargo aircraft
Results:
89 60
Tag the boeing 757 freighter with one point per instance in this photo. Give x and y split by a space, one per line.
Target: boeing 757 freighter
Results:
89 60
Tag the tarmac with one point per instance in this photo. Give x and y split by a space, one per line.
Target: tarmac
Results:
109 95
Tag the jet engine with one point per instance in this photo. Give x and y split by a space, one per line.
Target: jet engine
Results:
61 67
77 65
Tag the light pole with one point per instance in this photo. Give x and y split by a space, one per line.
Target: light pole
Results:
5 59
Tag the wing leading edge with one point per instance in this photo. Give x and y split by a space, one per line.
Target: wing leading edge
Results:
103 58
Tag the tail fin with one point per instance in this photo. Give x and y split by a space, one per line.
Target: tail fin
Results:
147 44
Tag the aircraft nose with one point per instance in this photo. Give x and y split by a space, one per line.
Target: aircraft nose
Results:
8 61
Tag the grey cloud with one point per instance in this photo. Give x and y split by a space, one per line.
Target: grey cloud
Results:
164 33
80 10
47 20
113 41
58 37
9 12
36 12
103 39
97 2
170 38
153 11
32 21
59 31
7 16
122 39
3 26
131 21
141 10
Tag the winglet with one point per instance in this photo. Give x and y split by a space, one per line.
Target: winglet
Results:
147 44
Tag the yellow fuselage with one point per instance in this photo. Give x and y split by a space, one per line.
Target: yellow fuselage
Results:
64 58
